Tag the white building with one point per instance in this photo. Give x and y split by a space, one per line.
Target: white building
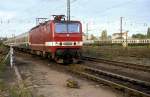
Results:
119 35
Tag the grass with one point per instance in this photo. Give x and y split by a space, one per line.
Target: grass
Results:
3 89
3 52
17 91
13 91
108 52
3 86
3 65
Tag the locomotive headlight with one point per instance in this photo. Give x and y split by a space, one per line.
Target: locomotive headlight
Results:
60 43
74 43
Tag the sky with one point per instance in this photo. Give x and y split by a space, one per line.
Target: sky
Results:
19 16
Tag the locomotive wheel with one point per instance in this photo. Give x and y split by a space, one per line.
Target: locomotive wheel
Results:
67 61
49 56
59 61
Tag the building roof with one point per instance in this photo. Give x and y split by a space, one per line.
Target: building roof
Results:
123 33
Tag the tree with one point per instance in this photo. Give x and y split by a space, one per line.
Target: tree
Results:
109 37
148 32
139 36
93 37
104 35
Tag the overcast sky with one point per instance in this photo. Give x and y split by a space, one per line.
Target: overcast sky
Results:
18 16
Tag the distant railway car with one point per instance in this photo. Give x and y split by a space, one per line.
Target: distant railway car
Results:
88 42
117 41
131 41
58 39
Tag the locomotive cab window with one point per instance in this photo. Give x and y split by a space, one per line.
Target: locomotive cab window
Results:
63 27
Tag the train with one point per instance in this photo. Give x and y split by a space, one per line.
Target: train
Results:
132 41
118 41
57 39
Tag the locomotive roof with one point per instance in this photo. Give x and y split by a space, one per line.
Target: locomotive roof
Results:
41 24
65 21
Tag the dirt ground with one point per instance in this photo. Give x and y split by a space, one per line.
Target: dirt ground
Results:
44 81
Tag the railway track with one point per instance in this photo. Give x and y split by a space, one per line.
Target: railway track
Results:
130 86
120 64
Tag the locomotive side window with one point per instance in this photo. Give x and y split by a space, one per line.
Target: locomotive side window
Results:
62 28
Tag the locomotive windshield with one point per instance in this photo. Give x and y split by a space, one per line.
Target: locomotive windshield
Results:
67 28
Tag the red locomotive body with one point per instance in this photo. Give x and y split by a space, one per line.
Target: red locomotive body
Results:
57 39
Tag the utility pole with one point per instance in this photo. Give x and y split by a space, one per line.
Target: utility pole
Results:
68 10
87 29
127 39
121 26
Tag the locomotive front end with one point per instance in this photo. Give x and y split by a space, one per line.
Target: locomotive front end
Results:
68 41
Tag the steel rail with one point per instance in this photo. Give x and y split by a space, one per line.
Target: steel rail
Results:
116 63
129 85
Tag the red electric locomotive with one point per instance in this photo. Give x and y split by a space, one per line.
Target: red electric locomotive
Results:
57 39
